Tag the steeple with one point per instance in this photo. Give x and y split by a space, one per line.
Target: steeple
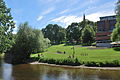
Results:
84 21
83 17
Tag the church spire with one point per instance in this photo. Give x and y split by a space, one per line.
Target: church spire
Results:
83 17
84 21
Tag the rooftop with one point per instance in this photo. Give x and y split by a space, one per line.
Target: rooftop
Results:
108 17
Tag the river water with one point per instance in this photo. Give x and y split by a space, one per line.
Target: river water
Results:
45 72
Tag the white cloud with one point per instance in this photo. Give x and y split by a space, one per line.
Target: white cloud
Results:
95 16
49 10
39 18
64 11
67 20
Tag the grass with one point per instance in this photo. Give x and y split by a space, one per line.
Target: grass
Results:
83 54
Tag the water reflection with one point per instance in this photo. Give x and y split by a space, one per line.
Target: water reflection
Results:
42 72
0 70
7 71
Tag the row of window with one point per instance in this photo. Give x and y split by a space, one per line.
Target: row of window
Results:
106 26
103 35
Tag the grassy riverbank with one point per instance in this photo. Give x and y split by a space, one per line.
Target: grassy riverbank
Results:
90 56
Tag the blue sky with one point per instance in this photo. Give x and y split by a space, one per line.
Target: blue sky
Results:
40 13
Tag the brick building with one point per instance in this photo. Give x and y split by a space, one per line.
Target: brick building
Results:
104 29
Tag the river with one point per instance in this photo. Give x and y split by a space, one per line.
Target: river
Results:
45 72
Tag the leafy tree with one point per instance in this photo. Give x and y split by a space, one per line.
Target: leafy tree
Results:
118 8
47 43
6 28
116 32
87 22
118 11
73 32
40 43
28 41
55 33
88 35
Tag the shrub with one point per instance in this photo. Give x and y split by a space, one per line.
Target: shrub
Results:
72 62
116 48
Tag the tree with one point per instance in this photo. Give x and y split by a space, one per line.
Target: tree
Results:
87 22
73 33
75 30
116 32
118 11
55 33
40 43
28 41
88 35
115 36
118 8
6 28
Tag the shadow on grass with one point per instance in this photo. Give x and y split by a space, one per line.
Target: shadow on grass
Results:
116 48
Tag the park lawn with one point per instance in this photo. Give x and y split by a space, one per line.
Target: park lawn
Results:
83 54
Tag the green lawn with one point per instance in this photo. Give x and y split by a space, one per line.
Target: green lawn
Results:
82 53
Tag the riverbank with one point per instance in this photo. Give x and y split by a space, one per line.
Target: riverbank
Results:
76 67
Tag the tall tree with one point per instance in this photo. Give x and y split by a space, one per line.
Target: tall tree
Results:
73 33
6 28
118 8
55 33
88 35
28 41
116 32
118 11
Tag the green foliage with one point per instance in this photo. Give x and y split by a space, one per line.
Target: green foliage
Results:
6 28
71 62
39 43
114 63
88 35
116 32
117 48
118 8
73 33
28 41
115 36
55 33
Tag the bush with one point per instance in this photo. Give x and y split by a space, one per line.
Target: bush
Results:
72 62
116 48
114 63
76 62
93 44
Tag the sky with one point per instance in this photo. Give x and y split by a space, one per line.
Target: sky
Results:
40 13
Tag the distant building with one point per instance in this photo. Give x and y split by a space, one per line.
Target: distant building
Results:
104 29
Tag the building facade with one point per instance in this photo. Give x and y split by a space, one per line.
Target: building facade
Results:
104 29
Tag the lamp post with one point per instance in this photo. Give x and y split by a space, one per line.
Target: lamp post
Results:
74 42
